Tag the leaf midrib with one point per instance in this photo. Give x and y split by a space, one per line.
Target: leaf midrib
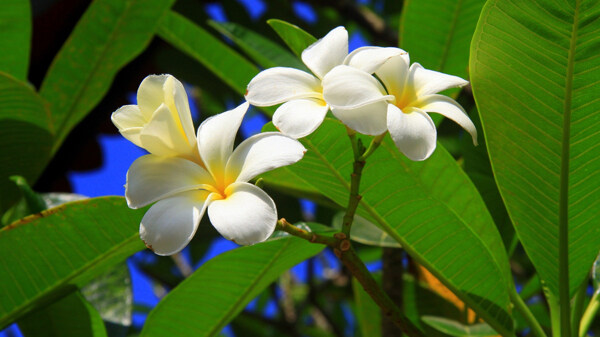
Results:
450 35
78 94
563 211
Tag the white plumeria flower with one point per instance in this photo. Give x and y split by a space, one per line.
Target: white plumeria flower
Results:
301 93
161 122
183 189
359 100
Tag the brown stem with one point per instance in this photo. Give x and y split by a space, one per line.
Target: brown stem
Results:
343 250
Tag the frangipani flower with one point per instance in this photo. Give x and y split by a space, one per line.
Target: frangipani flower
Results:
161 122
301 93
361 102
185 189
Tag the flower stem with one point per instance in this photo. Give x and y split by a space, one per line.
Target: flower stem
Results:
360 156
389 309
343 250
589 314
536 328
373 146
285 226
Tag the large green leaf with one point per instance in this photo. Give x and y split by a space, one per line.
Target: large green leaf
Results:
431 208
214 54
15 40
437 33
49 255
206 301
25 136
109 35
263 51
535 70
71 316
478 168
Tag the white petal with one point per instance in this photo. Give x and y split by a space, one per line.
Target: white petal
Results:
129 120
394 74
326 53
300 117
449 108
346 87
151 178
413 132
150 94
170 224
247 216
261 153
369 119
428 82
369 59
280 84
216 136
177 100
163 135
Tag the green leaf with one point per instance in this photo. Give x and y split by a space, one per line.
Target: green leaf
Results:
431 208
109 35
295 38
454 328
15 40
368 313
25 136
49 255
35 203
263 51
365 232
215 55
478 168
70 316
437 33
535 69
206 301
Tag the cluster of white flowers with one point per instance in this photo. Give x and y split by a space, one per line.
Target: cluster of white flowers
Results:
395 100
186 173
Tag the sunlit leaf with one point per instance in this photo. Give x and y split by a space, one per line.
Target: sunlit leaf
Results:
25 136
535 70
49 255
209 299
437 33
431 208
15 40
478 168
214 54
263 51
109 35
295 38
